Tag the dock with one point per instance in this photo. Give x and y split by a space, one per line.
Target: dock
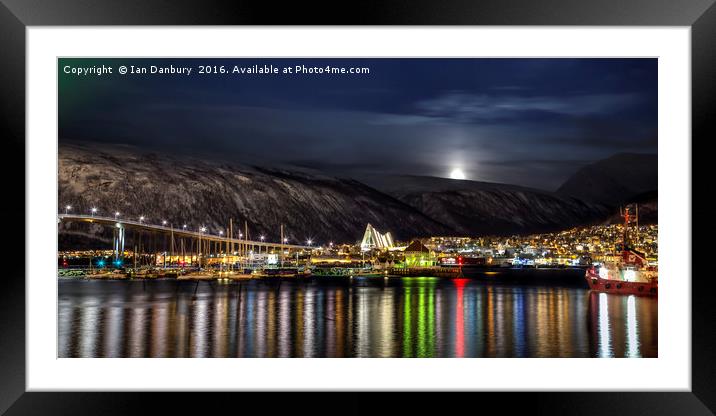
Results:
448 272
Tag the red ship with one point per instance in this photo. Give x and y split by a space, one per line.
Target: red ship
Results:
629 273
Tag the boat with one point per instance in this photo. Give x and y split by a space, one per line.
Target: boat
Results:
346 272
429 271
296 272
628 272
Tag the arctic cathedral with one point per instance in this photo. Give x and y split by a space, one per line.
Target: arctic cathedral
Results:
373 239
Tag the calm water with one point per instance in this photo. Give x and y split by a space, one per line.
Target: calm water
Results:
400 317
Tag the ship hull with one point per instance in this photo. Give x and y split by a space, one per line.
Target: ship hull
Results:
623 287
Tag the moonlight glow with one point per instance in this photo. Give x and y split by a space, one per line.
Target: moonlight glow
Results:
457 173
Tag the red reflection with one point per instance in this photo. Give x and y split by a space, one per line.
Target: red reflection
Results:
459 319
460 283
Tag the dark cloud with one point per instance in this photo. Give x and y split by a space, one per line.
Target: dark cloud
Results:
524 121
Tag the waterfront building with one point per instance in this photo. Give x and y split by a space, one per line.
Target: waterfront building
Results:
417 255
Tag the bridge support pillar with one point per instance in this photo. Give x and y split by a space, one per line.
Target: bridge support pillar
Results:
119 242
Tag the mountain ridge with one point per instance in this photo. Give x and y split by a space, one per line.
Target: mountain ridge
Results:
472 207
209 194
310 204
614 180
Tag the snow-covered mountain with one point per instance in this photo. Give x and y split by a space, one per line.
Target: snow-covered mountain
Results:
201 193
471 207
309 204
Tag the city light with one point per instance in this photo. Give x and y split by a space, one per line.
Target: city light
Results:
164 222
141 218
262 238
309 241
285 240
68 208
116 214
241 235
203 229
93 211
221 233
184 226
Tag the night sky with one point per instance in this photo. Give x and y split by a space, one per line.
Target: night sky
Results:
529 122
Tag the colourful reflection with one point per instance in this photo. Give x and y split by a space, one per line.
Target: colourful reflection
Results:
408 317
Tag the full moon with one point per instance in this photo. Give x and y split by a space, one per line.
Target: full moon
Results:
457 173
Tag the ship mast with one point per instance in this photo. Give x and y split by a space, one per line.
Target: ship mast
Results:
636 218
626 228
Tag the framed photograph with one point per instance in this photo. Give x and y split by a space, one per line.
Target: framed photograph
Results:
480 203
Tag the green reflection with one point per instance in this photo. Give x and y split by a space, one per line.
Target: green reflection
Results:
419 316
421 323
431 322
407 341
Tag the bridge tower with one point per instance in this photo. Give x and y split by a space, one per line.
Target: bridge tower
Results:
119 241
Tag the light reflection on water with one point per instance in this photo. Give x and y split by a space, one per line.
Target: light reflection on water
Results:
407 317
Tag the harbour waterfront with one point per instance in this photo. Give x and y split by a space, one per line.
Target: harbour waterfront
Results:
553 316
446 222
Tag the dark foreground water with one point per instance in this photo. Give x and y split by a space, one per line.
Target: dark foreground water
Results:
399 317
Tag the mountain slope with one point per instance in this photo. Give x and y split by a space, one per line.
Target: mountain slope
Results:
196 192
648 205
472 207
614 180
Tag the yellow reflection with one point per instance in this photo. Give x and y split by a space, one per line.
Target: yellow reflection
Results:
284 324
309 322
386 317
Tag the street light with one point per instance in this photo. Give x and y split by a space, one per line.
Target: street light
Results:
67 208
262 238
241 235
309 241
203 229
141 218
164 222
285 240
94 211
184 227
116 215
221 233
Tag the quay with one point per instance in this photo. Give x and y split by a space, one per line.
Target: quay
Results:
437 271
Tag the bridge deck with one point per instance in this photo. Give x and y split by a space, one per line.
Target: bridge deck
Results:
176 231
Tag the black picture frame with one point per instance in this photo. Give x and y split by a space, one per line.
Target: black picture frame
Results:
16 15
